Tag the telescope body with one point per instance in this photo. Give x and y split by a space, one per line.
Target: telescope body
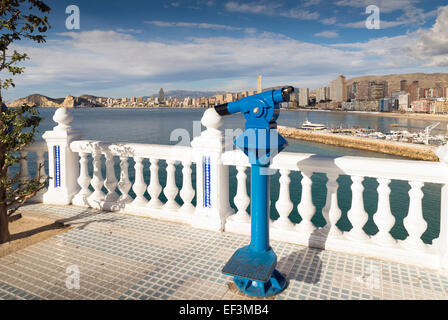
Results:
253 266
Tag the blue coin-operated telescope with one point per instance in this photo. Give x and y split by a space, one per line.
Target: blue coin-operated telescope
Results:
253 266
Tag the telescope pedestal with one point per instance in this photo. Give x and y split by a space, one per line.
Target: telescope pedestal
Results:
253 266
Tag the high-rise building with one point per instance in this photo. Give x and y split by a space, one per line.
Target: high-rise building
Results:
161 95
304 97
360 90
413 91
322 94
259 87
219 98
229 97
338 90
378 90
404 102
403 85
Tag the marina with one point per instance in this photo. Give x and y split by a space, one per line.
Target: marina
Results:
417 137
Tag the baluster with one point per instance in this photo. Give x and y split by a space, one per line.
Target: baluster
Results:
170 189
187 192
284 204
154 187
111 180
83 180
40 160
124 185
383 217
241 198
23 173
306 207
414 223
97 181
331 211
43 176
139 186
357 215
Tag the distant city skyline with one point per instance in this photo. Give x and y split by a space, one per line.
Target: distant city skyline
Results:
134 48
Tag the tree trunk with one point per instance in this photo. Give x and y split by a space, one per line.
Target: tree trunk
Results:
4 229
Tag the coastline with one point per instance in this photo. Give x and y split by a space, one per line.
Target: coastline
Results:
419 116
407 150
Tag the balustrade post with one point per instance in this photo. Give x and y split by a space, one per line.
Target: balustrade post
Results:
212 177
124 185
24 174
384 219
284 204
187 192
306 207
357 214
154 187
63 163
96 199
111 182
414 223
80 198
40 160
331 212
139 186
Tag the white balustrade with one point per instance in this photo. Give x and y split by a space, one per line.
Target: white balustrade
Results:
356 241
213 210
39 148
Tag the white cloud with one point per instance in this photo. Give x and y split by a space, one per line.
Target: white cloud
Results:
411 16
431 46
100 60
385 6
329 21
327 34
193 25
271 9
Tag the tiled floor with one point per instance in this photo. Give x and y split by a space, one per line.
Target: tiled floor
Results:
126 257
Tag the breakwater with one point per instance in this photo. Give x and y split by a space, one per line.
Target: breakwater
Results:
408 150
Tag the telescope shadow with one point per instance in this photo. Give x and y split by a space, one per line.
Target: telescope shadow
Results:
305 265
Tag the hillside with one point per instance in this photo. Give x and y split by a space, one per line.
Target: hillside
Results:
39 100
393 80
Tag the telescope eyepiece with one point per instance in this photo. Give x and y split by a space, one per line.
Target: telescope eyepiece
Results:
222 109
286 91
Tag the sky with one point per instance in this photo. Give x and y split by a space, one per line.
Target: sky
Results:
133 48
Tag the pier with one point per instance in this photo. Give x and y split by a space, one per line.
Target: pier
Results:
121 244
407 150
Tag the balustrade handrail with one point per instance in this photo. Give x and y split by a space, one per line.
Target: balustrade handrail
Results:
37 146
137 150
397 169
